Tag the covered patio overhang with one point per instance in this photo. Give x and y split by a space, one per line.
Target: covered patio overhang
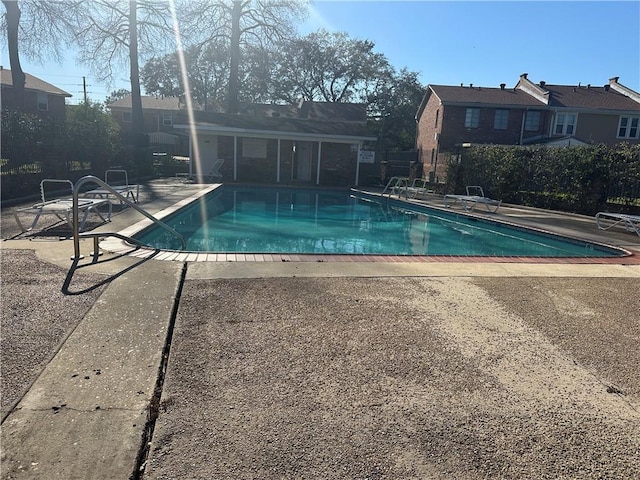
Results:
315 134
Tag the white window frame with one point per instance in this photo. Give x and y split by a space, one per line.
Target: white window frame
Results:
167 120
631 126
566 127
532 121
43 102
501 119
472 117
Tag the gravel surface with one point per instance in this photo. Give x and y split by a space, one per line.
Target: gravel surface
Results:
397 378
36 318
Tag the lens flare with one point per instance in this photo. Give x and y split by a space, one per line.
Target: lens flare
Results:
194 149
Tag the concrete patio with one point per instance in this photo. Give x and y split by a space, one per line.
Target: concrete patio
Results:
249 369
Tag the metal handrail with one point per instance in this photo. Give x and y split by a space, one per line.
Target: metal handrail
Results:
122 198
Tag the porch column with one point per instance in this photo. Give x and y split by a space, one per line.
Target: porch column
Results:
319 155
278 164
358 164
235 158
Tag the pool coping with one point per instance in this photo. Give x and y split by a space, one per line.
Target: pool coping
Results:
118 246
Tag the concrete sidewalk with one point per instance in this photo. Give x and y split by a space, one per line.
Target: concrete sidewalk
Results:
85 415
397 378
348 370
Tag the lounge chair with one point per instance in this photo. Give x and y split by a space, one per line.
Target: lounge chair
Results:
419 187
120 184
214 171
606 221
63 208
212 174
475 196
395 186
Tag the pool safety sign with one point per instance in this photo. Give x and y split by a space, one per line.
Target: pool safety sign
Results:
366 156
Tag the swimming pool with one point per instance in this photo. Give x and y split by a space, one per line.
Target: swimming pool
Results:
241 219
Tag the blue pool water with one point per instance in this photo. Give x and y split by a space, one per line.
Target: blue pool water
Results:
309 221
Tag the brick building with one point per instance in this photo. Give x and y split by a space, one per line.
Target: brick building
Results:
40 98
450 117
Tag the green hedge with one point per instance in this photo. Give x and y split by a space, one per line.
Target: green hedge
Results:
583 179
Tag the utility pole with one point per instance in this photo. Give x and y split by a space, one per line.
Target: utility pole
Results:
84 87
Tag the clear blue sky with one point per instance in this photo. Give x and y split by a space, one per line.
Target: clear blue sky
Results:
483 42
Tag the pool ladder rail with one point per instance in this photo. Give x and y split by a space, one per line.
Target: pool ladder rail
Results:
96 235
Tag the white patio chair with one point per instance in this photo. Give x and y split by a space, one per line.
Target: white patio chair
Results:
475 196
120 184
607 220
62 208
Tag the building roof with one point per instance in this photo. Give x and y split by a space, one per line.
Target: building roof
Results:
484 95
589 97
150 103
323 111
612 96
280 126
32 83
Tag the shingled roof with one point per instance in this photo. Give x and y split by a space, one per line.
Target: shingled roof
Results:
587 97
246 123
32 83
612 97
149 103
483 95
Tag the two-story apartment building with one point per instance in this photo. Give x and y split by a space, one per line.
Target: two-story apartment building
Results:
450 117
40 98
159 114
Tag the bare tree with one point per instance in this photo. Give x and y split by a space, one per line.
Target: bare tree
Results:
13 25
114 33
241 22
36 29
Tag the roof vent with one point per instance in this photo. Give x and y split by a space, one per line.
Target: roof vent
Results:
606 88
471 85
542 83
502 85
524 75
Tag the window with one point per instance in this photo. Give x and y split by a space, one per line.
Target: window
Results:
628 127
126 116
43 101
565 123
501 119
167 120
472 118
437 115
254 148
532 122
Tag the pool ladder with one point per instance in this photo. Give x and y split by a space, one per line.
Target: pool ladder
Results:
96 235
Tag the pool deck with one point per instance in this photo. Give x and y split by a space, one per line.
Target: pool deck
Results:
290 366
